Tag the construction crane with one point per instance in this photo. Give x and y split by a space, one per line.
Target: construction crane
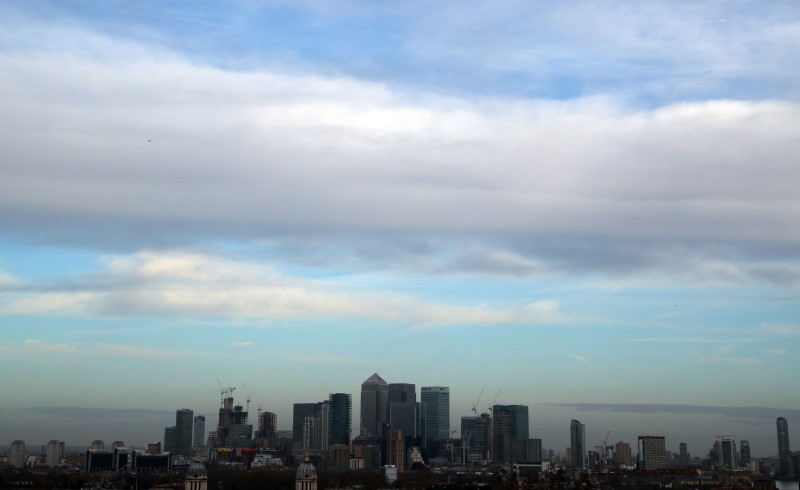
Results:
248 397
475 405
491 407
605 447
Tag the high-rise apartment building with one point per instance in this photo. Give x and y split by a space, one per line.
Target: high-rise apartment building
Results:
436 411
16 457
374 406
199 432
622 454
396 449
785 466
510 424
55 453
652 452
340 416
300 413
577 439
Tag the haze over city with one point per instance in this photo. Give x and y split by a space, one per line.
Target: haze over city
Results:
589 207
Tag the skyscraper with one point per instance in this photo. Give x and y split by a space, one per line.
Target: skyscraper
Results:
199 433
785 466
374 405
652 452
341 408
622 453
55 452
510 424
16 457
683 455
744 453
403 410
300 413
436 403
577 439
184 419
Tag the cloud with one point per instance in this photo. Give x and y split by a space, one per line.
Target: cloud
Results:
81 352
241 343
583 359
324 359
780 329
194 285
502 185
775 352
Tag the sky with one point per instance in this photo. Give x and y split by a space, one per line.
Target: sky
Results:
588 207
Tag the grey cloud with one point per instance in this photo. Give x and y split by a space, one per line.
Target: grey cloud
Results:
761 413
508 187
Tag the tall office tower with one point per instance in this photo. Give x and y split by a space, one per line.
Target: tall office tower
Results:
199 432
55 452
16 457
341 409
785 466
301 412
683 456
396 449
183 432
652 452
577 439
510 424
322 425
374 405
436 402
402 410
727 454
622 453
744 453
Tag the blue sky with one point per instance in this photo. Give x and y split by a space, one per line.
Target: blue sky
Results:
590 207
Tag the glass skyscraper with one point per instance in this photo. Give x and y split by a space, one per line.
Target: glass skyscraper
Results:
785 467
436 411
577 439
341 407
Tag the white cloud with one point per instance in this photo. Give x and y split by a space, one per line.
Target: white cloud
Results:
577 357
241 343
193 285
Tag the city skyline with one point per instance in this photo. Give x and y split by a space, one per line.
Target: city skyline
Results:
587 207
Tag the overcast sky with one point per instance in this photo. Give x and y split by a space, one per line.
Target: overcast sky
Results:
591 207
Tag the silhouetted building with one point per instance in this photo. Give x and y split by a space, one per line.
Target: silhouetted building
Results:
151 463
510 424
785 466
395 449
268 428
55 453
340 415
683 456
744 453
436 413
374 405
199 431
476 437
97 445
300 413
727 454
622 454
403 409
577 439
16 456
652 452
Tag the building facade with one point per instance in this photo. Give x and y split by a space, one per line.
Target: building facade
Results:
652 452
436 412
55 453
340 416
16 457
199 431
785 466
374 406
510 424
577 439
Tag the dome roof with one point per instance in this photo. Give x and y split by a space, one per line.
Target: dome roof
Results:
196 469
306 470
